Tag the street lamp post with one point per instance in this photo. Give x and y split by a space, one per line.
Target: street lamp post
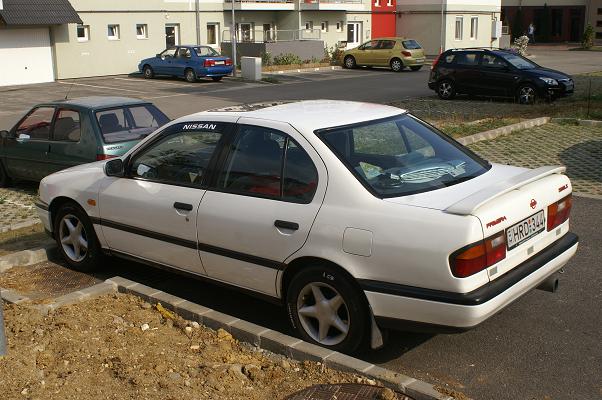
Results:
233 39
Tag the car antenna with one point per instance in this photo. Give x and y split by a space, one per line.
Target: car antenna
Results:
68 91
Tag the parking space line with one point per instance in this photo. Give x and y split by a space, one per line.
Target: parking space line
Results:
154 82
102 87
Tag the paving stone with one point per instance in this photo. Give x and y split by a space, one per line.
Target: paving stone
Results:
11 296
278 342
420 390
216 320
307 351
98 290
247 332
16 207
344 362
391 379
191 311
166 299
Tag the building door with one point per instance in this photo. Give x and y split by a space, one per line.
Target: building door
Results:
576 28
245 33
172 35
354 34
26 56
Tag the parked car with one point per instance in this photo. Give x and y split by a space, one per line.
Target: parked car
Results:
188 62
492 73
60 134
394 52
354 216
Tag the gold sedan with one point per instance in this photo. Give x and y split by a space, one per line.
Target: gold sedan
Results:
396 53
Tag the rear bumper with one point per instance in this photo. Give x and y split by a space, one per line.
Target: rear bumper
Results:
434 310
215 71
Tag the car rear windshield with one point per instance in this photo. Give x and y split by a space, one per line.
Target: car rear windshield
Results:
123 124
205 51
401 155
519 61
411 44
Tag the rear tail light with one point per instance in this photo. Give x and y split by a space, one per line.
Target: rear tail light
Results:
100 157
228 61
406 53
209 63
478 256
559 212
436 61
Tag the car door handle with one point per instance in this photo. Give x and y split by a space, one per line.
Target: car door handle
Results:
182 206
286 225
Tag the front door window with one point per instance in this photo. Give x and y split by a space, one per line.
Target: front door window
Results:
37 124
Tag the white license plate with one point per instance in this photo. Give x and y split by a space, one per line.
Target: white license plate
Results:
519 233
219 63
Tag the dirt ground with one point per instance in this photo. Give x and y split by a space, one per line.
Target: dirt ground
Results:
119 347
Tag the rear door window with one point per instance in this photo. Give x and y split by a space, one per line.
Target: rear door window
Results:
37 124
467 58
67 126
129 123
386 44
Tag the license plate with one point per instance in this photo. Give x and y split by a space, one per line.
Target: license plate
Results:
219 63
519 233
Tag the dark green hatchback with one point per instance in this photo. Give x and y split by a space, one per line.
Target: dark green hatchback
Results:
61 134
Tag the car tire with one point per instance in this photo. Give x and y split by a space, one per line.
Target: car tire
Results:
216 78
76 239
148 72
349 62
345 321
416 67
4 178
396 65
446 90
190 75
526 94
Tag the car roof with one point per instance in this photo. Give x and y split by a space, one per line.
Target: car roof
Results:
309 115
98 102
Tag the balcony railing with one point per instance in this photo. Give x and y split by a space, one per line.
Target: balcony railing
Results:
332 1
262 1
272 35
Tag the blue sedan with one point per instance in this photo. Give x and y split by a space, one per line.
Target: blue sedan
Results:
188 62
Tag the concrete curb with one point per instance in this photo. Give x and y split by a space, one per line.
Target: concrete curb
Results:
26 257
277 342
504 130
577 121
19 225
301 70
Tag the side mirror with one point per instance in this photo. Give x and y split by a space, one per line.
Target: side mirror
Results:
23 137
115 168
158 55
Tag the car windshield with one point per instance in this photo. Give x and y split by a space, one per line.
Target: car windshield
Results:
402 155
128 123
519 61
411 44
205 51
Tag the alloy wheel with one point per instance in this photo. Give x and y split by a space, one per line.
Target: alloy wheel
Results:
349 62
526 95
396 65
445 89
148 72
323 313
73 236
190 76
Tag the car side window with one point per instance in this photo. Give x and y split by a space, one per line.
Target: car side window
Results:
205 51
371 45
467 58
180 158
492 61
67 126
386 44
169 53
267 163
37 124
449 59
184 53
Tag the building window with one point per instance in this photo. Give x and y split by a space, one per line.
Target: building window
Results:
474 27
141 31
324 26
376 3
598 35
309 25
340 25
599 24
599 11
459 26
212 34
113 32
83 33
389 3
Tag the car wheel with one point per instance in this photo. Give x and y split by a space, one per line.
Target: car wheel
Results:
527 94
416 67
396 65
76 239
4 178
216 78
148 72
190 75
446 90
349 62
325 308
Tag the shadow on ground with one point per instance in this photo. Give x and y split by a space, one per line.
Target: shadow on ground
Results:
584 160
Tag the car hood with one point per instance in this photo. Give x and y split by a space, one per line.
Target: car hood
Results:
547 73
89 168
147 60
441 199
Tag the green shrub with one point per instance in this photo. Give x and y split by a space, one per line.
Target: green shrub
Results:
266 59
588 37
287 59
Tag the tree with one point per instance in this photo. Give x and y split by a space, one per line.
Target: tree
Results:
518 28
588 37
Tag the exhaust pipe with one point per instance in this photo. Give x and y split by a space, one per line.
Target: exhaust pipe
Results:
549 285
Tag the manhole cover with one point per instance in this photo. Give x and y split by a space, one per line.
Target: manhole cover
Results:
347 391
45 280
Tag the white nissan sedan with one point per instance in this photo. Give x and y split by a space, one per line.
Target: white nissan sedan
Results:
357 217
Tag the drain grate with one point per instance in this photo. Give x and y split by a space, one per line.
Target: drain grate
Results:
347 391
45 280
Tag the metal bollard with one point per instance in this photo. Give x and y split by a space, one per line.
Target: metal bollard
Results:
2 336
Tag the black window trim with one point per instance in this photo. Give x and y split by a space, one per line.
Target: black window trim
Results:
57 110
320 133
228 147
173 130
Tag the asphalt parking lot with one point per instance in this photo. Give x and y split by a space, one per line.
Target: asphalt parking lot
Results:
177 97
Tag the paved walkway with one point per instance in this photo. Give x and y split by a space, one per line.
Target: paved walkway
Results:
16 206
577 147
